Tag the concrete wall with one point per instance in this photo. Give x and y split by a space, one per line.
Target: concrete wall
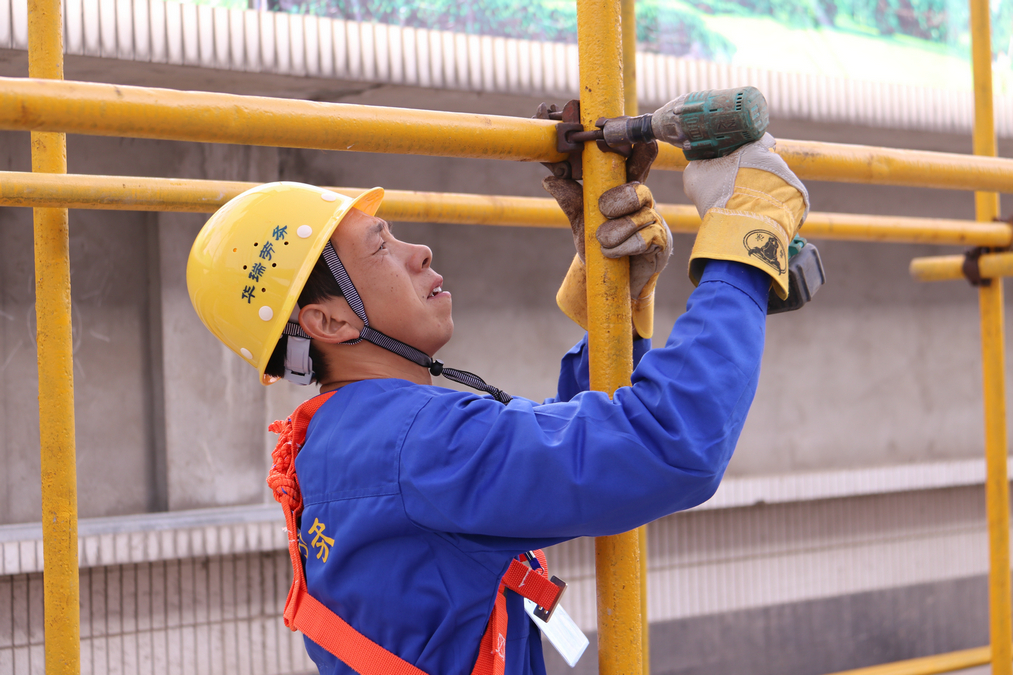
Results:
144 367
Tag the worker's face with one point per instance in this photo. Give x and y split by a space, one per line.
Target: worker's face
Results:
395 281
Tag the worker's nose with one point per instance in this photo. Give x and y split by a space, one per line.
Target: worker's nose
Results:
422 256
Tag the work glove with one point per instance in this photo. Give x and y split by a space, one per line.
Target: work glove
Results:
634 229
752 205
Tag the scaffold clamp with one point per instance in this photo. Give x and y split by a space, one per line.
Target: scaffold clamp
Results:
971 266
971 269
568 140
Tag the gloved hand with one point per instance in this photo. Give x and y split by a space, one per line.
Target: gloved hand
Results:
752 205
634 229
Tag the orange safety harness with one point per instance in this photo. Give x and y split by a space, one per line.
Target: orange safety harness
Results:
305 613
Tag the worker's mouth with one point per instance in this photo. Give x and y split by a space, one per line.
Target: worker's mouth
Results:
437 289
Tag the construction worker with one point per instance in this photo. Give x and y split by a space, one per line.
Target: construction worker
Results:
409 506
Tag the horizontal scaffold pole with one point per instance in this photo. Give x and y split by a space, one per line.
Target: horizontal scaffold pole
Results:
929 665
126 193
950 267
166 114
842 163
142 112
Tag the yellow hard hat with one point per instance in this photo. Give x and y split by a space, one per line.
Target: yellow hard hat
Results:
252 258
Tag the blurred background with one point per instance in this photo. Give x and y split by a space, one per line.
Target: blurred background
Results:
850 529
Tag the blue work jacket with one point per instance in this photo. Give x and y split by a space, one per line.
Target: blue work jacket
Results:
417 497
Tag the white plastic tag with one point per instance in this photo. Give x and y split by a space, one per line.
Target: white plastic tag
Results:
562 632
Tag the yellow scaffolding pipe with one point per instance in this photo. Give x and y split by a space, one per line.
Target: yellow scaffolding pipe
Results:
990 301
628 12
610 339
928 665
56 369
905 230
125 193
141 112
996 480
993 347
845 163
950 267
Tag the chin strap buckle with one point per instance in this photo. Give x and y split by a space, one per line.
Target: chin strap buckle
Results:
298 364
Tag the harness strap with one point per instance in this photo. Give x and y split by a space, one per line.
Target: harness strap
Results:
492 648
533 583
529 582
305 613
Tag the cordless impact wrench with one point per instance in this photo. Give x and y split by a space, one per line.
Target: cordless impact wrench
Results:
707 125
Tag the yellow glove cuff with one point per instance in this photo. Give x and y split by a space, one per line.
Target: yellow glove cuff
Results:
643 309
572 300
572 294
754 228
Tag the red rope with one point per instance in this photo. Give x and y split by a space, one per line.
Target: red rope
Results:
291 435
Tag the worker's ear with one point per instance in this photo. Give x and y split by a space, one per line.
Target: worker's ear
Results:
331 321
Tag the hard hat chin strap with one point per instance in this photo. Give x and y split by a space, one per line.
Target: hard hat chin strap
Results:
298 364
435 366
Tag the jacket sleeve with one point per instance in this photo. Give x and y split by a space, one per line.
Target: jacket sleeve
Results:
590 466
574 369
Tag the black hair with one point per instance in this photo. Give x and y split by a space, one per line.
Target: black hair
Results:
320 286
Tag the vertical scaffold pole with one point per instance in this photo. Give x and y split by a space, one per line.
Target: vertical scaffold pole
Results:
56 369
610 339
990 302
629 22
629 19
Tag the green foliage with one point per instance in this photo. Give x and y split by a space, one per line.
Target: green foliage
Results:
675 27
662 25
939 21
794 13
935 20
508 18
665 27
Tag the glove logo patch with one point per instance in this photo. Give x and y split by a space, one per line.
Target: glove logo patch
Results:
766 247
